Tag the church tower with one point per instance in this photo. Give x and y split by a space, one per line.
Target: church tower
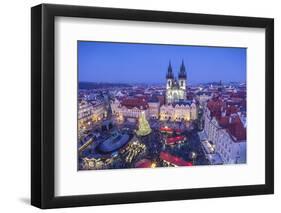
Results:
169 77
182 77
175 88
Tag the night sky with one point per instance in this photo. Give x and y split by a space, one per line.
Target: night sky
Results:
109 62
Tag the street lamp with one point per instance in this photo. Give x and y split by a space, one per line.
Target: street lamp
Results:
193 156
213 148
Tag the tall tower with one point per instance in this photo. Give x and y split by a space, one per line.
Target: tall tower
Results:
182 80
182 77
169 77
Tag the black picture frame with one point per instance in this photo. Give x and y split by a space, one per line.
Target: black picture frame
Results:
43 102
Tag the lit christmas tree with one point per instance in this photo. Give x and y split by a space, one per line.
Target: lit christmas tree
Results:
144 127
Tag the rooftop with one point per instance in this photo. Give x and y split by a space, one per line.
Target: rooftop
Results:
144 163
135 102
174 159
172 140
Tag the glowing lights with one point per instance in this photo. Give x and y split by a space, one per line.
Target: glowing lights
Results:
144 127
193 155
153 165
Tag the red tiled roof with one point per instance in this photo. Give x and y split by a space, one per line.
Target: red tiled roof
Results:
166 129
144 163
223 121
237 129
230 109
239 94
173 140
215 106
234 126
141 96
174 160
135 102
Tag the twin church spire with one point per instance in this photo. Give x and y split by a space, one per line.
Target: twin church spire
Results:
176 88
181 75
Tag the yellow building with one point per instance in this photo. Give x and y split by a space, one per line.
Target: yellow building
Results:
178 111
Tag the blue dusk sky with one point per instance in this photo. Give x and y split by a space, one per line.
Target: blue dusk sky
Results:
110 62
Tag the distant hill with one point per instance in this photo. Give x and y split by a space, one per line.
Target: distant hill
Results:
92 85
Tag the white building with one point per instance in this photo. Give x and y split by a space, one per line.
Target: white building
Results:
154 108
129 109
90 112
115 105
231 150
85 112
227 133
98 111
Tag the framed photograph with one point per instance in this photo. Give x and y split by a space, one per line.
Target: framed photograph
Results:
139 106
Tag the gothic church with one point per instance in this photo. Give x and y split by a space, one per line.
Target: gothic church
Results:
176 89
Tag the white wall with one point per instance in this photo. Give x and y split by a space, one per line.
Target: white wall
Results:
15 104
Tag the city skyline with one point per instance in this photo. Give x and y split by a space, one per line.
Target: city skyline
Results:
99 62
124 124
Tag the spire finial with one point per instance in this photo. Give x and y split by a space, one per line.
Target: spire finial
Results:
182 63
170 71
170 66
182 73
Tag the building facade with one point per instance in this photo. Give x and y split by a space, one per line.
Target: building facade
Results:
85 113
129 108
90 112
178 112
98 111
225 130
154 108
